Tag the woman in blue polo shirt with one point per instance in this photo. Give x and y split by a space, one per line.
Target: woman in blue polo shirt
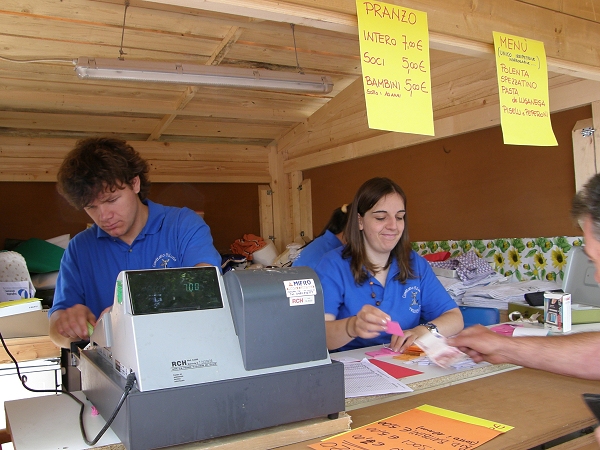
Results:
331 237
376 278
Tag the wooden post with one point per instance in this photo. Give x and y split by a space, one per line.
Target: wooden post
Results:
596 126
265 206
306 225
281 204
585 156
295 187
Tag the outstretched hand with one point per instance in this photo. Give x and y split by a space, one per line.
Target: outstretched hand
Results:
481 344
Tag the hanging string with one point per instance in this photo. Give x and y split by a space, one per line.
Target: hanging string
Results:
121 52
296 50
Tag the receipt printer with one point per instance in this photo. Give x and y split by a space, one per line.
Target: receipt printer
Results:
212 355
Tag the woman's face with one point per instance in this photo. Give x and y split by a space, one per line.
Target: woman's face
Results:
382 225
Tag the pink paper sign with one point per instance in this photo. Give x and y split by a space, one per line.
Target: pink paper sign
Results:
394 328
384 351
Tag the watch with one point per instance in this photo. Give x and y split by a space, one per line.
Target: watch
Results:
431 327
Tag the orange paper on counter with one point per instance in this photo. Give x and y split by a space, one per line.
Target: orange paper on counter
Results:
414 428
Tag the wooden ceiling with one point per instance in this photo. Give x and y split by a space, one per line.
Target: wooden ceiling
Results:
229 134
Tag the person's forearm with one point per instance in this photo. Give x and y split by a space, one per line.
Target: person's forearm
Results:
449 323
59 339
55 335
339 332
572 355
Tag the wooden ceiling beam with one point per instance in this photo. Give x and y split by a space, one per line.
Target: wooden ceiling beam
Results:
277 11
561 97
164 123
217 56
457 26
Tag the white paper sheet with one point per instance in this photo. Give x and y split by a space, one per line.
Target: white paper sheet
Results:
363 378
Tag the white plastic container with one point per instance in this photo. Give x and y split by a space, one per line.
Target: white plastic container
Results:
265 255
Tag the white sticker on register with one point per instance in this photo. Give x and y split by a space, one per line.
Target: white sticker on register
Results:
300 288
435 347
305 300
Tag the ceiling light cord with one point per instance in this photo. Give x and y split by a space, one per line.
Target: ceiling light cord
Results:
300 70
28 61
121 52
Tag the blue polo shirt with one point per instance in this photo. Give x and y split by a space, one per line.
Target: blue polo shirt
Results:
418 300
172 237
314 251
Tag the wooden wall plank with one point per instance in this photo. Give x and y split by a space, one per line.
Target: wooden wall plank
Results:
29 169
185 126
26 159
76 122
58 148
587 10
201 172
45 169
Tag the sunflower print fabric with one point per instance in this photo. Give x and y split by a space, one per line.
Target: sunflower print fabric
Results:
520 259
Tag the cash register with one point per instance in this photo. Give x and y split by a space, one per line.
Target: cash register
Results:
212 355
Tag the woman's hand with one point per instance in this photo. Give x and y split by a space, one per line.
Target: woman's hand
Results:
370 322
401 343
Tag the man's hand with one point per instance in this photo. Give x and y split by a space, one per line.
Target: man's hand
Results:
481 344
68 325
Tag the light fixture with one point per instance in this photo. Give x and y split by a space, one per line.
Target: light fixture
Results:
196 75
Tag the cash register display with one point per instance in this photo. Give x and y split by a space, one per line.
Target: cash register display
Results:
172 290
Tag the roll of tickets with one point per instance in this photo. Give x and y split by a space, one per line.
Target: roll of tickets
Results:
438 351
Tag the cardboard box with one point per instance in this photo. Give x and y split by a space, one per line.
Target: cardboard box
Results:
29 324
557 311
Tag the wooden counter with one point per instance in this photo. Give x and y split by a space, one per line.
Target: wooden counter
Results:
29 349
539 405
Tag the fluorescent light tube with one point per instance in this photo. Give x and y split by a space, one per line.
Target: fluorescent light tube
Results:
197 75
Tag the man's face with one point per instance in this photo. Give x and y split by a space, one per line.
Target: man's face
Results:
118 213
592 246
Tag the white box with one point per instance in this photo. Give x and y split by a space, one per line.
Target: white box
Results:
557 311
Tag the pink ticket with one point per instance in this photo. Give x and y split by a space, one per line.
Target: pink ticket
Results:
394 328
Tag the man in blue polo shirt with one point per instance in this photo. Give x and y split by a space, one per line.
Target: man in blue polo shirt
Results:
109 180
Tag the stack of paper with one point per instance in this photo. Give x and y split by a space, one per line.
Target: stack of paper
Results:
363 378
498 295
19 306
457 288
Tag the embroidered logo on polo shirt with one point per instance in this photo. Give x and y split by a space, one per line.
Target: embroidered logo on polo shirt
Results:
162 261
413 292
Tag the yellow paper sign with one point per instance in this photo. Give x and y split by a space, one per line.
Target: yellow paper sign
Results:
414 429
394 53
466 418
523 88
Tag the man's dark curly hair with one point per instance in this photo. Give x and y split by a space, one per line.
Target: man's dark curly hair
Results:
99 163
